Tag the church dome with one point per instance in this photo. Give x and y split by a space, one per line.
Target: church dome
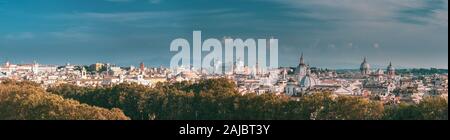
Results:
308 81
391 70
390 67
302 68
365 65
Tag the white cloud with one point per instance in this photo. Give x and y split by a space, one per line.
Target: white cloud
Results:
74 33
117 17
146 15
376 46
19 36
370 11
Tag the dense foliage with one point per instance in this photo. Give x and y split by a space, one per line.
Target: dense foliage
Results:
214 99
217 99
430 71
428 109
27 101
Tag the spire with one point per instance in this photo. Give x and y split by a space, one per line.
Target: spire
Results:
302 61
390 64
365 59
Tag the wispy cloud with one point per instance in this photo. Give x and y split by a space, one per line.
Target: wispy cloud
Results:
407 11
117 16
19 36
74 33
119 0
149 15
336 30
149 1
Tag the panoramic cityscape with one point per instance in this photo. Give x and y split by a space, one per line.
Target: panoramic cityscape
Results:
224 60
386 85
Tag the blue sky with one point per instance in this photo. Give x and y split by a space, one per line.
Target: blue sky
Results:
331 33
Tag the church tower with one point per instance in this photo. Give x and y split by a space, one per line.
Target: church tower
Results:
142 68
284 74
83 73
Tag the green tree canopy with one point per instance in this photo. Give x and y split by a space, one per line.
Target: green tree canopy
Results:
27 101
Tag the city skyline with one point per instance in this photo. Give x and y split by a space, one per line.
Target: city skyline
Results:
139 64
410 33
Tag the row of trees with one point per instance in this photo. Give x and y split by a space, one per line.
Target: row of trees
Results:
217 99
429 109
430 71
27 101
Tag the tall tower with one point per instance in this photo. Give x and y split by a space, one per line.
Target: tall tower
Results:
142 67
365 67
83 73
108 69
302 60
258 71
284 74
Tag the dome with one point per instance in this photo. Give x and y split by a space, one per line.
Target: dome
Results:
390 67
391 70
308 81
365 65
302 68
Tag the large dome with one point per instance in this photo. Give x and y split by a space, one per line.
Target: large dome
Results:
365 65
302 68
308 81
390 67
390 70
